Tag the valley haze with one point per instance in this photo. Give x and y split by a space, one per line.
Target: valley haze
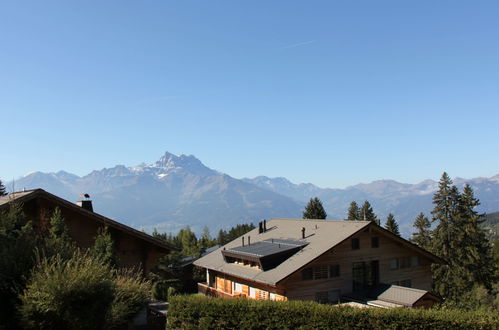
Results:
176 191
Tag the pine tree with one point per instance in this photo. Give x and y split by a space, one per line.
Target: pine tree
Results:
392 225
423 235
353 211
366 213
314 209
103 247
3 191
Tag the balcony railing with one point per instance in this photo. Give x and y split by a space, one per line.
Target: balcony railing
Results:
213 292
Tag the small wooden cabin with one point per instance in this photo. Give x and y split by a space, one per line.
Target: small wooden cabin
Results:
133 248
322 260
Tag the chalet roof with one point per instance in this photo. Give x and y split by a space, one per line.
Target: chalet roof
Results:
320 237
24 196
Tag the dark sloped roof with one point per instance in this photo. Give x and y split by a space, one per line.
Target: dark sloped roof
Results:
399 294
267 247
27 195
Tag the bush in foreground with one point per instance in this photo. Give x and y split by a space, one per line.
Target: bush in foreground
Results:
199 312
81 292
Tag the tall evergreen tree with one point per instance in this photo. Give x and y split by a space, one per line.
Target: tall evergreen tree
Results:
3 191
58 228
392 225
366 213
353 211
314 209
423 235
477 255
445 238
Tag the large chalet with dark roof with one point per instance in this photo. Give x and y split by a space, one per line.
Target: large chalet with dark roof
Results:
322 260
133 248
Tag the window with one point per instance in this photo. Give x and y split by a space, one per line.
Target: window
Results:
334 271
405 262
374 242
414 261
406 283
320 272
394 264
307 274
355 244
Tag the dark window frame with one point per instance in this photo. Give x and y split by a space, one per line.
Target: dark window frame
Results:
375 242
334 271
355 243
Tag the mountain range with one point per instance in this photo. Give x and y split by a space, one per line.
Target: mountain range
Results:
176 191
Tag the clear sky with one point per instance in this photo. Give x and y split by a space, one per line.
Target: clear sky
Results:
328 92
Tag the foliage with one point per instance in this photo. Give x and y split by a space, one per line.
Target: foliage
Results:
17 247
3 191
366 213
314 209
131 294
161 288
459 239
199 312
392 225
103 247
353 211
225 237
423 235
67 294
58 241
82 292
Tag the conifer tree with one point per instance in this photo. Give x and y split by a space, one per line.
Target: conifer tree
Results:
476 255
392 225
58 228
104 247
3 191
366 213
423 235
314 209
446 239
353 211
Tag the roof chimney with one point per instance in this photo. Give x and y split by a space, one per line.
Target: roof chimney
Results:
243 240
303 232
85 204
260 227
264 225
249 242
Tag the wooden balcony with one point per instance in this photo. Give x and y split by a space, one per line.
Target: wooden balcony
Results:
203 288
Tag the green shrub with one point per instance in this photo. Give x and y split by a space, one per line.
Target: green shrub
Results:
160 288
131 295
82 292
199 312
67 294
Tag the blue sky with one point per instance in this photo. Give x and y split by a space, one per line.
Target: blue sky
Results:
328 92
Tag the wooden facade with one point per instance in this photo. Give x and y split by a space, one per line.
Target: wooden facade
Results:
361 261
132 248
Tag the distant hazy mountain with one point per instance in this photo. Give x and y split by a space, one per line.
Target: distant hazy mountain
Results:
405 201
173 192
179 190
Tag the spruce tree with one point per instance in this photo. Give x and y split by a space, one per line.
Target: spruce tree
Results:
314 209
392 225
3 191
423 235
446 239
366 213
58 228
476 255
353 211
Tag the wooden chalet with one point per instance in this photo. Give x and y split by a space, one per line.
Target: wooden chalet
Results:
133 248
323 260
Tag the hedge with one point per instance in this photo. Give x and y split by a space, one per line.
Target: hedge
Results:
200 312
